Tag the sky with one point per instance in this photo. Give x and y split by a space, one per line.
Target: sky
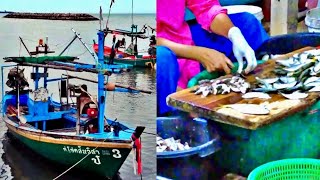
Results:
78 6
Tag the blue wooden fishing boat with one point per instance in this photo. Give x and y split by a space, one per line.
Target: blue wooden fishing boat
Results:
75 134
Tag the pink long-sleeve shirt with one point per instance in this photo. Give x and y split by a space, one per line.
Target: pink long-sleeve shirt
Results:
172 26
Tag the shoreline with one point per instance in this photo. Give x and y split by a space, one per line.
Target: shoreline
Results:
53 16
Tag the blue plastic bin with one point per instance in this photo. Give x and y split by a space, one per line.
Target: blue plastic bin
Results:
201 137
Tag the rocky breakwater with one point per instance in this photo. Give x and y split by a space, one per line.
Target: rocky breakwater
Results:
53 16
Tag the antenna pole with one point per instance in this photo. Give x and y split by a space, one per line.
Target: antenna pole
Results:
25 46
75 37
84 44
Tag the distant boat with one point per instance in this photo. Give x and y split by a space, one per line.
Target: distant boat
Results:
122 57
129 55
6 12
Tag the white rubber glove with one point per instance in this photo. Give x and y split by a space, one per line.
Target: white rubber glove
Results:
242 49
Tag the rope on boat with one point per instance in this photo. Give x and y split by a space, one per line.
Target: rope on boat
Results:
80 159
58 45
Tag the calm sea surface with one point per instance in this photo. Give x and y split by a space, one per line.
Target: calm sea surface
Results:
19 162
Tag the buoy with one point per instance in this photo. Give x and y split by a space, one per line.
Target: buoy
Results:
110 86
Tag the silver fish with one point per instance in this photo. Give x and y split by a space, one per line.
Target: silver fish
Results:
200 90
311 79
265 84
205 93
260 95
283 86
286 79
270 80
294 67
315 89
287 62
295 95
316 67
312 84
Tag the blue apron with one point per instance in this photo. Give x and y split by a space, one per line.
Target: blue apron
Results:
167 65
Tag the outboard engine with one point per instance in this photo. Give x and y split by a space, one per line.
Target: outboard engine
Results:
16 78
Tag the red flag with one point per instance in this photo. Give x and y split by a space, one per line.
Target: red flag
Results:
137 163
138 156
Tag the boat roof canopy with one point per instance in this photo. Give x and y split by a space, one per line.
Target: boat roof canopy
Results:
127 33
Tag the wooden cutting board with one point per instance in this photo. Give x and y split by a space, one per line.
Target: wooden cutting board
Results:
211 106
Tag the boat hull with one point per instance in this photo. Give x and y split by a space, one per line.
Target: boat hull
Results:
103 161
138 62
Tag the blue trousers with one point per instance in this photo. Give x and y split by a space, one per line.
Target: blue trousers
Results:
167 65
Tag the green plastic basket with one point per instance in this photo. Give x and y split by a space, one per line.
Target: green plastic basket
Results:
293 169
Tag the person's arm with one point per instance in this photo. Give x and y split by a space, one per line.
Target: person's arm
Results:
221 25
167 16
214 18
211 59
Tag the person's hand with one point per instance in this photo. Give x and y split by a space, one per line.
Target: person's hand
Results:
241 49
214 60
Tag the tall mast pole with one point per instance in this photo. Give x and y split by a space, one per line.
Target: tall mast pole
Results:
132 26
101 90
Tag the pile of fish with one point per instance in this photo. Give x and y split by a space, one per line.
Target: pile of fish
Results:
222 86
296 76
170 144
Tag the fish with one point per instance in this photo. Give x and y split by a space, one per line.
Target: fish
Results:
270 80
260 95
243 89
253 109
161 148
316 67
313 84
186 146
225 89
264 89
222 86
295 95
235 89
170 144
200 90
283 86
304 74
286 79
286 62
294 67
311 79
315 89
265 84
205 93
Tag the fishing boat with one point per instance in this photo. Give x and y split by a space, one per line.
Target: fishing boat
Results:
77 133
125 57
118 53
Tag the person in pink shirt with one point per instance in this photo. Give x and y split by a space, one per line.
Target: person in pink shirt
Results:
212 42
